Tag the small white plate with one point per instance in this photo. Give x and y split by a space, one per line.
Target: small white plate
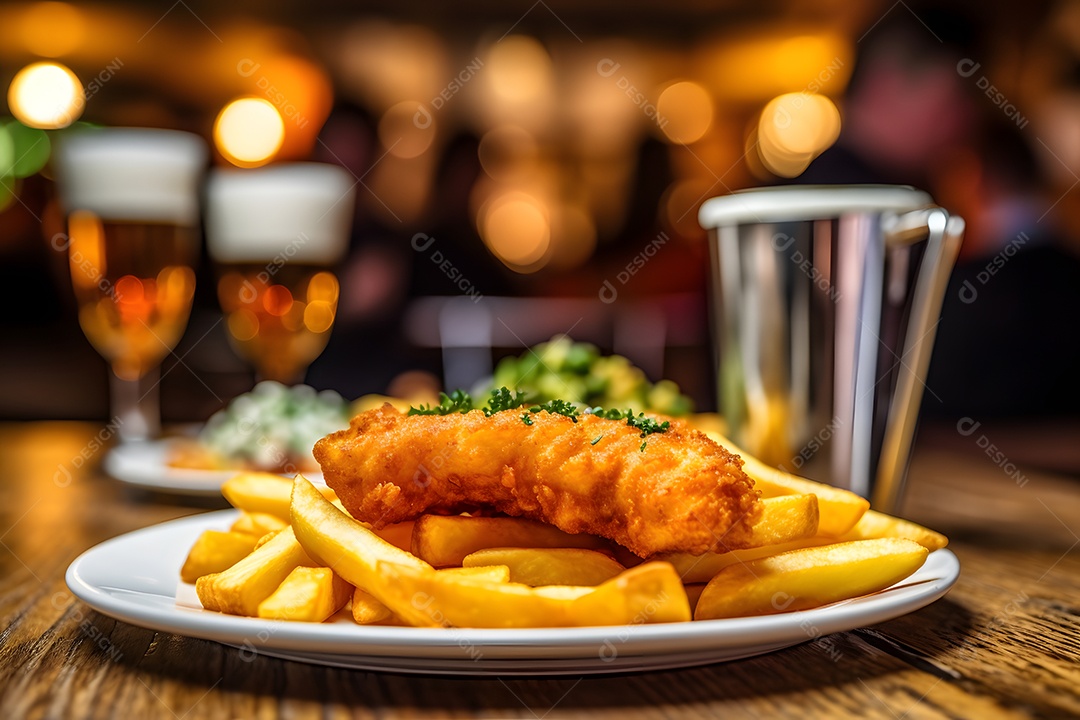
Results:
135 578
146 465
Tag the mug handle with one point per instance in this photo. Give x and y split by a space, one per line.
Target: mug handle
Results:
944 234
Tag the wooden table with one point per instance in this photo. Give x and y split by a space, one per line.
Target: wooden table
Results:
1004 643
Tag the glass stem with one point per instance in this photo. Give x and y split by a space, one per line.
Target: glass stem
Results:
136 406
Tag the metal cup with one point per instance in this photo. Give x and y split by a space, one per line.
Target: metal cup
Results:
825 302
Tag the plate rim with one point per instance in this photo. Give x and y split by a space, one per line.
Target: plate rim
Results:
122 462
444 647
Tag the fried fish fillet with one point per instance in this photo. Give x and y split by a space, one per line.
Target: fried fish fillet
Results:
683 493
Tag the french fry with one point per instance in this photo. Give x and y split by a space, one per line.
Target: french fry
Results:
266 538
785 519
879 525
548 566
811 577
839 509
487 573
445 540
257 523
366 608
263 493
306 594
344 544
787 522
240 589
703 568
398 534
215 551
648 593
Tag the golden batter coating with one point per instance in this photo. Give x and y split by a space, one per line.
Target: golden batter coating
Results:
684 493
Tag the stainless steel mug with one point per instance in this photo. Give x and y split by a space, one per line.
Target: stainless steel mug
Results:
825 302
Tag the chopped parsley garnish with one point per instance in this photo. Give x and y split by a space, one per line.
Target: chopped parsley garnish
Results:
504 399
458 401
646 425
642 448
557 407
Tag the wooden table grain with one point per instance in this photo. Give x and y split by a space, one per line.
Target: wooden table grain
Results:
1004 643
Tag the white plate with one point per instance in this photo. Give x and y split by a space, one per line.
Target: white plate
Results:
146 465
135 578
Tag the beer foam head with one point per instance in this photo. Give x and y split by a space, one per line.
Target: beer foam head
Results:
301 212
132 174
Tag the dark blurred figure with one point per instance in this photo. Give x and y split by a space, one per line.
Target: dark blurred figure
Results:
366 348
1005 345
390 264
907 109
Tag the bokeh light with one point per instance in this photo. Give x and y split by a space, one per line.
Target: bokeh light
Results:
686 112
52 29
302 94
508 152
249 131
794 128
399 133
573 237
515 226
384 63
322 298
518 82
46 95
751 67
680 204
519 69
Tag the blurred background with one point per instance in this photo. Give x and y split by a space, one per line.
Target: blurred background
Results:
527 170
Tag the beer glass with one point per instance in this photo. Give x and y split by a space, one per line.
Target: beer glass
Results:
825 303
131 200
275 235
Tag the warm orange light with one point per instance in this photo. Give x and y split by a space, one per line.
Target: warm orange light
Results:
516 228
794 128
129 290
681 202
87 256
685 112
249 132
46 95
508 152
574 238
243 324
518 83
135 298
319 316
323 287
400 135
519 69
752 67
385 63
277 300
52 29
301 92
